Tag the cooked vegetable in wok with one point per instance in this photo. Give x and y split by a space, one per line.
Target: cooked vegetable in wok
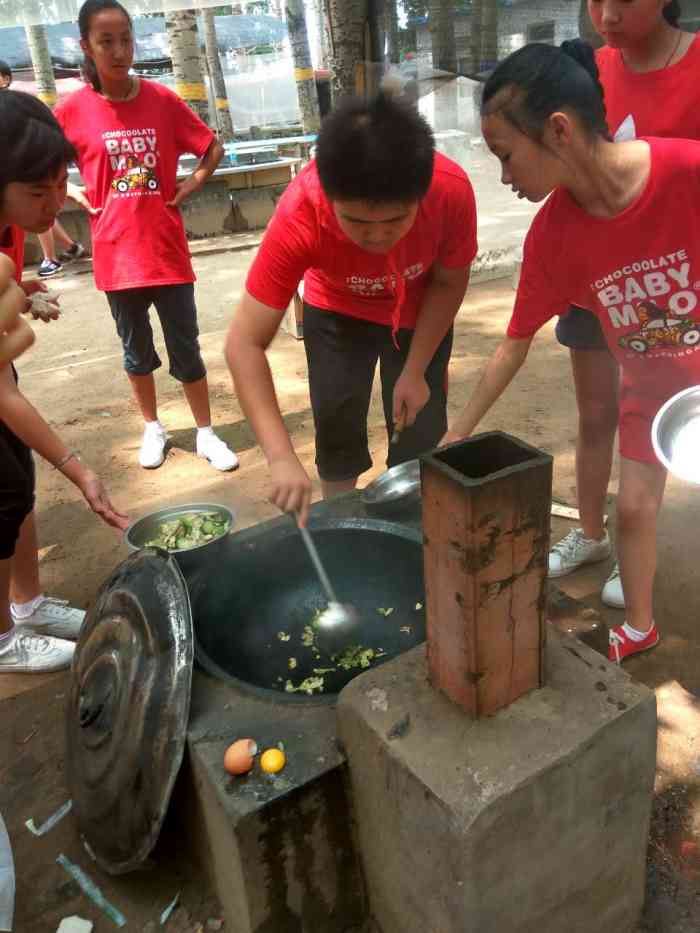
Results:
189 530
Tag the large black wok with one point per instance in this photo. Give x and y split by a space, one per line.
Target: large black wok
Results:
251 605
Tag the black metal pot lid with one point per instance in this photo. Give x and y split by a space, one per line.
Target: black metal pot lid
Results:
128 708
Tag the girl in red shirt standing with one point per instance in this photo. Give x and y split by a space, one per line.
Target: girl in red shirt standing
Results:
129 135
634 207
649 71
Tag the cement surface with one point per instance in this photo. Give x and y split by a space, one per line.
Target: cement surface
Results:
534 820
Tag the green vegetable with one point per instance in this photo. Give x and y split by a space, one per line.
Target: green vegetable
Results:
306 686
189 530
357 656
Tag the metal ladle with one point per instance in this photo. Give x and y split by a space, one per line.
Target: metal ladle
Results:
338 618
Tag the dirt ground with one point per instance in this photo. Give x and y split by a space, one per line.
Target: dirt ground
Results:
73 375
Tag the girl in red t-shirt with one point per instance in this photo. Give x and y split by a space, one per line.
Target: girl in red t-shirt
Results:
33 179
649 71
633 206
129 135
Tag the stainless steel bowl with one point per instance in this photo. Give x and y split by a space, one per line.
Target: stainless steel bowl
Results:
396 489
147 527
675 435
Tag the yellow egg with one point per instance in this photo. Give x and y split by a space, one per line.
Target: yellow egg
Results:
238 758
272 761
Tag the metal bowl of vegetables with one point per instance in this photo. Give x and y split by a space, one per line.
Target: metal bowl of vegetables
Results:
191 533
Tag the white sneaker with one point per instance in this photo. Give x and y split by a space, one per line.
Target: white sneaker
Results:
35 654
152 452
213 449
575 550
52 617
613 594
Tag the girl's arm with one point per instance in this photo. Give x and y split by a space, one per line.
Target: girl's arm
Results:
27 424
200 175
499 373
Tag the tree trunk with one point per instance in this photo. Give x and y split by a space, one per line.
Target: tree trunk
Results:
303 70
476 34
216 76
392 31
442 32
346 20
585 26
489 32
183 39
41 62
322 32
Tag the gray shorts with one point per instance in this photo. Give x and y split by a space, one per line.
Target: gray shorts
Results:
579 329
177 311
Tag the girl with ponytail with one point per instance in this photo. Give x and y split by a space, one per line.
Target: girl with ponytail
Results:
620 236
648 69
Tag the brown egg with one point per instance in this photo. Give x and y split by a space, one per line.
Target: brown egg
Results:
238 758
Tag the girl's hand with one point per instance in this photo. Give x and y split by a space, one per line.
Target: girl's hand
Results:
183 190
77 194
450 438
32 287
97 498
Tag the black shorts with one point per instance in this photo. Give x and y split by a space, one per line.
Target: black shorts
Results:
177 311
342 354
579 329
16 489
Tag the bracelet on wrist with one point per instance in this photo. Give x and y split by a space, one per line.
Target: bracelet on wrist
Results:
71 455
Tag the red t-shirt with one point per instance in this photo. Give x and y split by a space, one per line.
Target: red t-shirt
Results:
640 272
665 102
304 241
12 245
128 155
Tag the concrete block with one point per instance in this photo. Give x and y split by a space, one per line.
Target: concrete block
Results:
534 820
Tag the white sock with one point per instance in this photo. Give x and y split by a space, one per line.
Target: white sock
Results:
6 640
634 634
24 610
203 432
153 425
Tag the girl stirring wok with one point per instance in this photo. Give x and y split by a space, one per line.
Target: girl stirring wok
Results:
619 235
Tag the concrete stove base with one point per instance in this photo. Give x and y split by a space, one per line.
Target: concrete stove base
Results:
532 821
279 849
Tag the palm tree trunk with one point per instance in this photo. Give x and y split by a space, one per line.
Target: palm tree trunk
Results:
346 20
216 75
303 70
183 39
41 62
442 30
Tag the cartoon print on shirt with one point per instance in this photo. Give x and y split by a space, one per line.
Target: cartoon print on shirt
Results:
136 176
659 330
657 299
133 157
369 286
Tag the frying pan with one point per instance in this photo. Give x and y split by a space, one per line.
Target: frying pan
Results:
250 605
